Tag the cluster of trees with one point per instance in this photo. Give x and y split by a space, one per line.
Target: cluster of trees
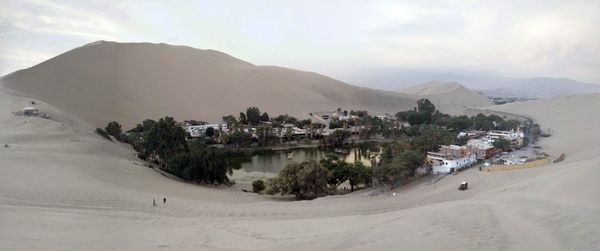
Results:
267 128
396 166
165 143
311 179
426 113
305 180
200 163
502 144
341 171
337 138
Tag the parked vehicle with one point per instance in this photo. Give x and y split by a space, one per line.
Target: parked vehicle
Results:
463 186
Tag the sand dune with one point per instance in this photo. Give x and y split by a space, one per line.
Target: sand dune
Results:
449 97
64 188
129 82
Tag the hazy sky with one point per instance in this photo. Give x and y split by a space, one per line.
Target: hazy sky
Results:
336 38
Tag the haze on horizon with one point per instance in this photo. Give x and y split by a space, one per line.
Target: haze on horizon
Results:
342 39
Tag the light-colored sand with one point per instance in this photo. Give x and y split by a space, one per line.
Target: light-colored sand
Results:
449 97
64 188
130 82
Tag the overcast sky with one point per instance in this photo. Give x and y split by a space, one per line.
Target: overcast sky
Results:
336 38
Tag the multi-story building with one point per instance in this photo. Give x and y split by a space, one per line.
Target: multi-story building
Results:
515 137
482 148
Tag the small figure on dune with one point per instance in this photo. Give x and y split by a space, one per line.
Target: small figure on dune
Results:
154 202
164 200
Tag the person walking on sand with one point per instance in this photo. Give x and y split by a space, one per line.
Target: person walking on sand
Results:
164 200
154 202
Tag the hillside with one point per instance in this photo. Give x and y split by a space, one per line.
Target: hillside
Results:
62 187
129 82
449 97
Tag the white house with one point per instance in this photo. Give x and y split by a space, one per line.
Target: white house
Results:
443 163
198 130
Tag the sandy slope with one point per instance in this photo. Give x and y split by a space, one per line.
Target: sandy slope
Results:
450 97
130 82
64 188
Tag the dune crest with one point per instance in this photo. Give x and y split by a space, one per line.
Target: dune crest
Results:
449 97
129 82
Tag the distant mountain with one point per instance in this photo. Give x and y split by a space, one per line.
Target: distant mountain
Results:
449 97
488 83
129 82
540 88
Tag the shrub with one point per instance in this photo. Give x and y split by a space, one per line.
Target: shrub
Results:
258 186
103 133
114 129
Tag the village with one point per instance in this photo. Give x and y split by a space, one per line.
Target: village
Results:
486 148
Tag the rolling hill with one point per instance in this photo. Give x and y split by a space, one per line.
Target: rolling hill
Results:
129 82
448 97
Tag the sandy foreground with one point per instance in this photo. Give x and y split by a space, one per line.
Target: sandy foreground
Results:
64 188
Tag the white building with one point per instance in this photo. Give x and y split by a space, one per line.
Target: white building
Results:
514 160
443 163
199 130
515 137
30 111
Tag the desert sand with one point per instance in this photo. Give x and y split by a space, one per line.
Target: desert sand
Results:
449 97
129 82
64 188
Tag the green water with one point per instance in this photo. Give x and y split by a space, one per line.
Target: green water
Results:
268 165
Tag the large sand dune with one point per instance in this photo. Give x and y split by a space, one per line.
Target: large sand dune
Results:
64 188
129 82
449 97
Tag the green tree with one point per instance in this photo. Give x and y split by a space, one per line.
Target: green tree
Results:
392 172
206 165
114 129
418 118
253 116
338 170
511 124
459 123
210 132
428 137
243 120
230 120
424 105
103 133
239 138
165 138
502 144
306 180
258 186
265 117
403 116
337 138
400 167
358 174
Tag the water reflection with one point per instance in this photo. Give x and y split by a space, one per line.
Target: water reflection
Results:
269 164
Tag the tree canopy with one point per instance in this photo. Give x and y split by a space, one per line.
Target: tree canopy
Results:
305 180
165 138
114 129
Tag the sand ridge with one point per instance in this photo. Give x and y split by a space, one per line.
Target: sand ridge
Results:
449 97
130 82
